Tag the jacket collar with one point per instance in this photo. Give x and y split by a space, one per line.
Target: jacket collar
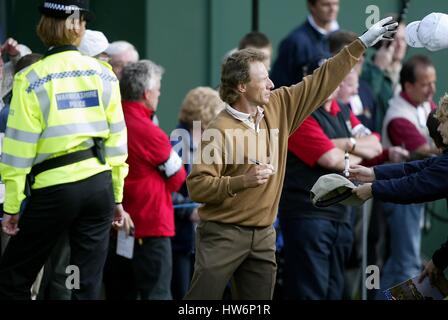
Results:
334 26
59 49
138 107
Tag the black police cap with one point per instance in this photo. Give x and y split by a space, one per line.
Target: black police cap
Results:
65 8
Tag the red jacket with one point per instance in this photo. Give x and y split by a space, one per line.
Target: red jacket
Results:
147 191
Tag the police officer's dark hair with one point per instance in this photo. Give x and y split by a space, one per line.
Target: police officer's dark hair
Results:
407 73
138 77
312 2
235 71
339 39
254 39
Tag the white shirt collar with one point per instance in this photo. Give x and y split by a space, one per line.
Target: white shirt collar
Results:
246 118
333 27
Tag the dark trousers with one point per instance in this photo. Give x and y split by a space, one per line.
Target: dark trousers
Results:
224 252
52 286
316 251
84 209
147 276
182 273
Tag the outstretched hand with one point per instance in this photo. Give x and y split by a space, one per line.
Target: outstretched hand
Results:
364 191
382 30
361 173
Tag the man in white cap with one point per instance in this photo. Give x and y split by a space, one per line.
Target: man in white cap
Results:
94 44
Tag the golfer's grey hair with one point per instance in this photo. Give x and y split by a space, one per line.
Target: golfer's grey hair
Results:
138 77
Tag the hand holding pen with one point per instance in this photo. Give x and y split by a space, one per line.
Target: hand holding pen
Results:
258 174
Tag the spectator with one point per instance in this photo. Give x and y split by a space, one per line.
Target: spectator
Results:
155 171
318 241
439 262
413 182
306 47
24 62
405 125
15 51
405 120
260 41
433 124
382 73
121 53
363 104
94 44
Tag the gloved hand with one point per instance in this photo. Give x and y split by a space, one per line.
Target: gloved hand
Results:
379 31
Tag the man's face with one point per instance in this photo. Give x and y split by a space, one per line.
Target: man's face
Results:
325 11
425 85
399 43
349 87
258 90
119 61
267 51
443 129
152 96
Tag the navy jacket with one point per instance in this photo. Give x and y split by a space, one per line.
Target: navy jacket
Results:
299 54
415 182
412 182
183 241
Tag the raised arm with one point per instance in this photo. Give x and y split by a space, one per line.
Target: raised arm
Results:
300 100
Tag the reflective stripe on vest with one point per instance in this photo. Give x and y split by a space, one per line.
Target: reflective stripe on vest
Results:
41 94
17 162
22 136
116 151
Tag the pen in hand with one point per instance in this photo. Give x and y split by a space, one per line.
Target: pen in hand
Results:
346 164
259 163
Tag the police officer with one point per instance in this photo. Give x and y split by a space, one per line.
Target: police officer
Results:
65 147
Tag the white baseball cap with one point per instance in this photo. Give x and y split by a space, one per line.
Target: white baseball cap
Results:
430 33
93 43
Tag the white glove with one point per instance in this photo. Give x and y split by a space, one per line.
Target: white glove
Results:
379 31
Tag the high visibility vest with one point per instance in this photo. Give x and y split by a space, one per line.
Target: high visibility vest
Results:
59 104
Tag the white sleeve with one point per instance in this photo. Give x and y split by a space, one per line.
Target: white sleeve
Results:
360 131
171 166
